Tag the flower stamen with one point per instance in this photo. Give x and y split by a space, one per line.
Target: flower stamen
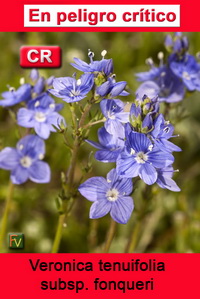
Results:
112 194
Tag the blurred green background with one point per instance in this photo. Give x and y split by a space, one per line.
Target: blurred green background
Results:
163 221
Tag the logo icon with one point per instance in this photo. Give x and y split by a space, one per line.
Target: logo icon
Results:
40 56
16 240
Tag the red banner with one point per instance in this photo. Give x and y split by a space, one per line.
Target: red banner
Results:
13 16
89 275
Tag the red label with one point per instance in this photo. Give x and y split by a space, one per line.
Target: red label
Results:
40 57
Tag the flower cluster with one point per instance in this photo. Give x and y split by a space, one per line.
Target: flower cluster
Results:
24 161
98 76
38 111
111 195
135 137
147 150
139 145
137 140
172 79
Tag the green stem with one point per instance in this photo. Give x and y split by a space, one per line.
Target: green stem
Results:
94 123
58 236
6 213
110 236
77 143
71 170
70 178
85 114
133 239
92 238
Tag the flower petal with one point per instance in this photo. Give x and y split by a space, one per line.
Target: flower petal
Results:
25 118
62 82
150 75
55 119
123 117
39 86
169 146
167 183
127 166
94 144
106 140
112 176
160 159
115 127
148 88
148 173
107 156
124 186
39 172
118 88
159 121
81 65
19 175
55 93
108 66
122 209
103 89
34 74
9 158
49 81
73 99
94 188
139 141
23 93
100 208
42 130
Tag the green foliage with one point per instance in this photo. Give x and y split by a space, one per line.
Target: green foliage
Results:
163 221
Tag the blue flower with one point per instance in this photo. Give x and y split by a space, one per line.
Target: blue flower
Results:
24 162
13 97
112 88
72 90
113 110
110 146
169 41
34 75
149 88
141 157
153 73
161 133
179 44
49 81
164 84
40 82
187 69
104 65
41 115
109 195
165 180
39 86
